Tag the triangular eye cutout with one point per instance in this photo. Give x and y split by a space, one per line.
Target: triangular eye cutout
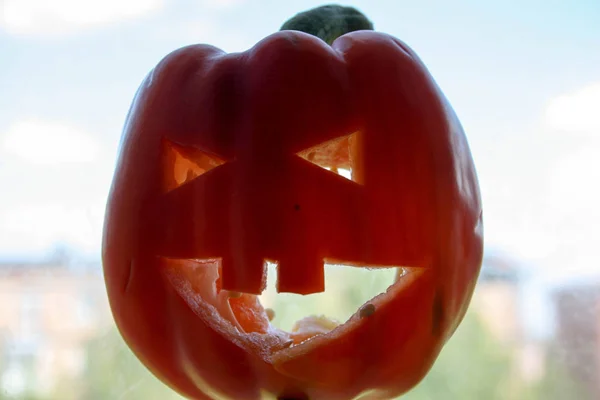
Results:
334 155
181 164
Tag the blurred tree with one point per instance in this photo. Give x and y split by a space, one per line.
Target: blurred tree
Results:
113 372
19 380
558 383
471 366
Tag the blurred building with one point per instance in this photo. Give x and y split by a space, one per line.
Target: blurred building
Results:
496 298
501 296
47 311
578 332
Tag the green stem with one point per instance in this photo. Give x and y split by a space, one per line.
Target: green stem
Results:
328 22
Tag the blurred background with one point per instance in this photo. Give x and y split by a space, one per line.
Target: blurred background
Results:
523 76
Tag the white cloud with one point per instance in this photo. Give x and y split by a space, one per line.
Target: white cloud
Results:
41 17
577 112
523 239
552 219
568 213
574 184
221 3
38 227
44 142
58 181
571 214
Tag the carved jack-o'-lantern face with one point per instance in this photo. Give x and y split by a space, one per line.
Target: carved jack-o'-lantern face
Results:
232 161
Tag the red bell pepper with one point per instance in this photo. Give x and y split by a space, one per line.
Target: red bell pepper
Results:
229 160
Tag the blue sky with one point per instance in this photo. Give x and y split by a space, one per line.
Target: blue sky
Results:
524 78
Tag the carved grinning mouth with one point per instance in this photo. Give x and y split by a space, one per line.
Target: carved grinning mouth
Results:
353 293
349 291
346 290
